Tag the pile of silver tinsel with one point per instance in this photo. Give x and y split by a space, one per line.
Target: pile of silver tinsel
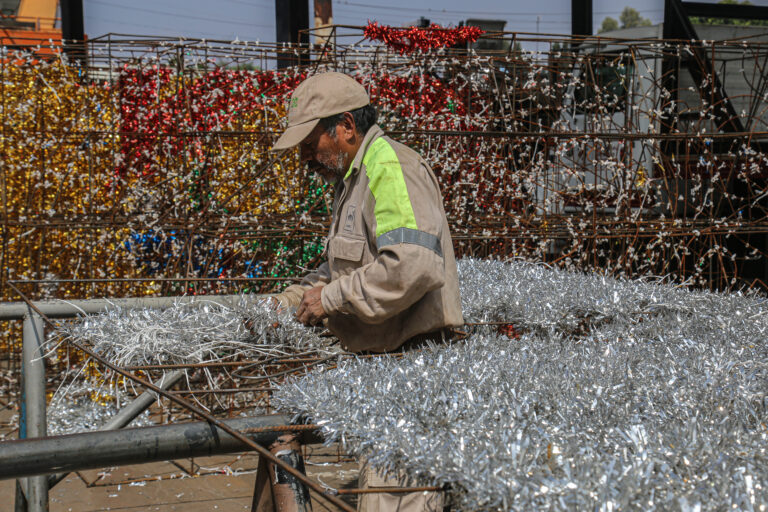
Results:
184 333
618 395
193 332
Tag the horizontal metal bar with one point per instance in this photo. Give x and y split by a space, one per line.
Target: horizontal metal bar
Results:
389 490
227 391
560 134
153 279
216 364
73 308
92 450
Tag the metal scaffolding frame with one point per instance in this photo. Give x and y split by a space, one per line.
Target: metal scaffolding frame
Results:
595 153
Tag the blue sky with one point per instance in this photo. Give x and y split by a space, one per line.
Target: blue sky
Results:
255 19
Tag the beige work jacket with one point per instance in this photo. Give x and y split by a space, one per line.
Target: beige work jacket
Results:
391 270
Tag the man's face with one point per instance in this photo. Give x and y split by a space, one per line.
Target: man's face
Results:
323 154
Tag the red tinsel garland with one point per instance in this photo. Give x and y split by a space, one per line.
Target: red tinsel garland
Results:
408 40
156 113
211 101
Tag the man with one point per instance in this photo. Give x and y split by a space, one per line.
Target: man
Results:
390 278
391 271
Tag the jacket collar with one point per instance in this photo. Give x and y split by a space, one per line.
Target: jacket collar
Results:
372 134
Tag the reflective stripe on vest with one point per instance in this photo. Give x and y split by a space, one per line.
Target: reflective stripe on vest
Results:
410 236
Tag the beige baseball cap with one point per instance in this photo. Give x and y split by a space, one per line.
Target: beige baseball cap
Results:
319 96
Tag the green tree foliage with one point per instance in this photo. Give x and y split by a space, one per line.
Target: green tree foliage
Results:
629 18
608 25
730 21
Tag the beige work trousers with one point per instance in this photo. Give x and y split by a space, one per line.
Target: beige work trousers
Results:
394 502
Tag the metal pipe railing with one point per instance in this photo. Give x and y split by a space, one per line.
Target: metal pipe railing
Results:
72 308
33 423
203 413
91 450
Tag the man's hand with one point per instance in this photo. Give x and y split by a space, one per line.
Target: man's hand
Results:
311 310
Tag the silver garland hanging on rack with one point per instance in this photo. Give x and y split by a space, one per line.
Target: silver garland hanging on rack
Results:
194 332
184 333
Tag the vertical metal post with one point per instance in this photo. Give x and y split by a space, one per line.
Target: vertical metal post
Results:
276 490
20 503
581 17
33 403
291 24
73 30
21 500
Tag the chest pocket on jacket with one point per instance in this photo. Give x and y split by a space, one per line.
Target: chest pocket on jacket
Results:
346 253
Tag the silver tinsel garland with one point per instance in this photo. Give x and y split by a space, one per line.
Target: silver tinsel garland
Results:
193 332
536 297
622 395
82 407
184 333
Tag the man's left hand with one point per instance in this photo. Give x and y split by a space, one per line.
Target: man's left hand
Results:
311 310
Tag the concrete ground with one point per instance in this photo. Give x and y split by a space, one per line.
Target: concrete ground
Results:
221 483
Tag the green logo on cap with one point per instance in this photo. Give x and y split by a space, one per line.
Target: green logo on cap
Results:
294 102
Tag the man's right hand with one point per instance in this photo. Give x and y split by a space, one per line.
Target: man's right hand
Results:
311 311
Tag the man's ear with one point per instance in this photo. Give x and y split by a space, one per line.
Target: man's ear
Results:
348 123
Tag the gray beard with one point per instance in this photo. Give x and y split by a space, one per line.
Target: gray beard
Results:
339 164
338 170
